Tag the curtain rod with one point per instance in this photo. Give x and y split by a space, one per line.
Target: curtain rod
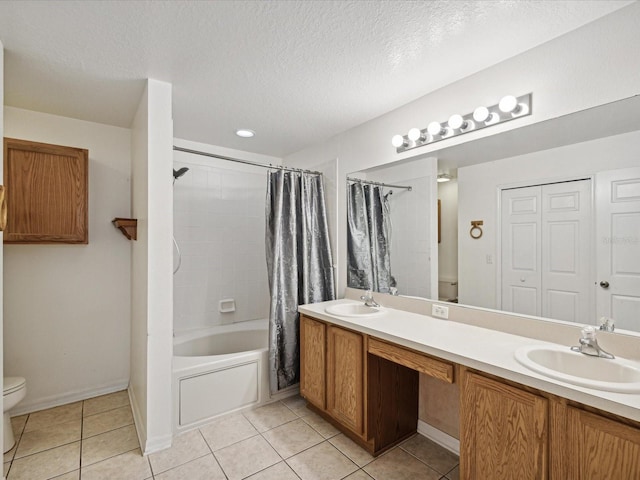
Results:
370 182
247 162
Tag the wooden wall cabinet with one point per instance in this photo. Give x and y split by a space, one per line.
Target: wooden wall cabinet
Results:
47 193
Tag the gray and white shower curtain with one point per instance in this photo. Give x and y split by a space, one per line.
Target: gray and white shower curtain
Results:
368 239
299 265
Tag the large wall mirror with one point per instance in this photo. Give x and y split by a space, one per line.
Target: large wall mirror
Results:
559 203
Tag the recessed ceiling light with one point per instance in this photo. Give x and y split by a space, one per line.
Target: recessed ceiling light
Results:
245 133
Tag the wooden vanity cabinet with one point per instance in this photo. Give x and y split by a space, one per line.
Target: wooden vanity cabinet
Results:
600 448
345 378
313 341
503 431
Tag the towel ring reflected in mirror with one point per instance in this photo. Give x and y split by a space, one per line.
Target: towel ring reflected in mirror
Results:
476 229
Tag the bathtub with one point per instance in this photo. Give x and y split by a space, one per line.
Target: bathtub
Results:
219 370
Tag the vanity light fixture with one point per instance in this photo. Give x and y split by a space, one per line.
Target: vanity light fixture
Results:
245 133
508 108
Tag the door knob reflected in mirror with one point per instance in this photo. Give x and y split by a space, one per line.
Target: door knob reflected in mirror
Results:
604 284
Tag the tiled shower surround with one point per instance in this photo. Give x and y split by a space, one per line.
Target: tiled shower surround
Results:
219 223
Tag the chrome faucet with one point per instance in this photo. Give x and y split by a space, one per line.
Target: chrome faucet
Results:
368 299
589 344
607 324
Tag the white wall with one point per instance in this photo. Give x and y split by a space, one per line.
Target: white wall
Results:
67 307
595 64
152 271
478 200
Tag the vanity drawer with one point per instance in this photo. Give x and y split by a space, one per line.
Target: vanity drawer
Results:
433 367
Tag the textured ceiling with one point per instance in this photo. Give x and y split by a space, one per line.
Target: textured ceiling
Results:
296 72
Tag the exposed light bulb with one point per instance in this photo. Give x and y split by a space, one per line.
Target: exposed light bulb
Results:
397 141
458 122
435 128
480 114
414 134
455 121
508 104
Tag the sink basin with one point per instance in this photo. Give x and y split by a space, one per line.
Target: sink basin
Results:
354 310
616 375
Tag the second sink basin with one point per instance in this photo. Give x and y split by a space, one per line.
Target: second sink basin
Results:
616 375
354 310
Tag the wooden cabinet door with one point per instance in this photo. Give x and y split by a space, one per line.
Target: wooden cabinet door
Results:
47 193
504 431
312 361
599 448
345 377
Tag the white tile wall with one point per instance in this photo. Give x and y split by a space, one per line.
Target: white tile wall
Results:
410 255
219 226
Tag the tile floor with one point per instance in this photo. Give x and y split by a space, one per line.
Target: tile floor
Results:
96 440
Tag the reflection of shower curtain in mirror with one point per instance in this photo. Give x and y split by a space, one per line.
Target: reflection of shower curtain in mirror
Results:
368 239
298 262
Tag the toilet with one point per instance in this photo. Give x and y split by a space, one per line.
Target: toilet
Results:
14 390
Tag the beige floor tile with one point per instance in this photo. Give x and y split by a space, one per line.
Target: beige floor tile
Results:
11 453
320 425
75 475
279 471
6 468
227 430
47 437
204 468
399 465
18 424
454 474
292 438
53 416
247 457
105 402
355 452
435 456
110 444
185 447
130 465
270 416
106 421
47 464
322 462
359 475
297 405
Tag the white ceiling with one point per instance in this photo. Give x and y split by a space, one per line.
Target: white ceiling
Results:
295 71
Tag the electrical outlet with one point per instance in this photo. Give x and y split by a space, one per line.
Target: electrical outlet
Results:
439 311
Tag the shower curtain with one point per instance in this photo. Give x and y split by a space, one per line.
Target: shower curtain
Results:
368 239
299 265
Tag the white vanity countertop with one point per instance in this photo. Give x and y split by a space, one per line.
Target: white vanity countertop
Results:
486 350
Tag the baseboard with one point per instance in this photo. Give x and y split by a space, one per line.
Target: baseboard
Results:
69 397
285 393
439 437
147 446
138 421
